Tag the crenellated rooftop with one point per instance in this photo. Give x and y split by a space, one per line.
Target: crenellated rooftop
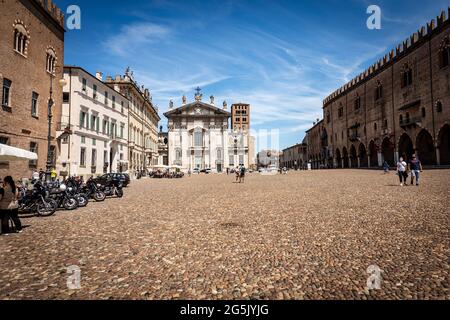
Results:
404 48
53 10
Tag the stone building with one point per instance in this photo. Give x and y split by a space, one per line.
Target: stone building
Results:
32 56
317 145
295 157
93 129
143 123
198 135
399 106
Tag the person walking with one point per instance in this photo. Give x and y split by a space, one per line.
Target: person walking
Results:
9 207
53 174
238 173
386 167
401 171
242 174
415 166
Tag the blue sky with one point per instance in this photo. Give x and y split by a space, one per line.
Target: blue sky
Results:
282 57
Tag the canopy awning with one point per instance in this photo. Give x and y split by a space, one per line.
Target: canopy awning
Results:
8 153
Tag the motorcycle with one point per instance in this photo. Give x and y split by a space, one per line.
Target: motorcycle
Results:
92 191
63 197
75 190
37 201
113 188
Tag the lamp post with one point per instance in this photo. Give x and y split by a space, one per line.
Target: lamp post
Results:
62 83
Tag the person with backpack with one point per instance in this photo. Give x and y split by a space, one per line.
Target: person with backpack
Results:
9 206
242 174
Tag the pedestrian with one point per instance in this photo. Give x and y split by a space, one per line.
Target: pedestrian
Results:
53 174
35 176
386 167
415 166
41 174
189 172
238 173
9 206
401 171
228 171
242 174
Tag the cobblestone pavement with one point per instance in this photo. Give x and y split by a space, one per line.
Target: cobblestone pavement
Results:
306 235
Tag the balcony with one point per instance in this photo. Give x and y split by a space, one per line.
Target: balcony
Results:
411 123
354 137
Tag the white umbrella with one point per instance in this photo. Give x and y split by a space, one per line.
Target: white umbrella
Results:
8 153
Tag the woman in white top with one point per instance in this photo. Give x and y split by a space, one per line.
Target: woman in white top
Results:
401 171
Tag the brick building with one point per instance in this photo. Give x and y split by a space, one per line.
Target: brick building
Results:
32 52
399 106
240 117
295 157
317 145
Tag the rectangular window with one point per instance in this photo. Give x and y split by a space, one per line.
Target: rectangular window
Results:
94 142
34 105
83 119
83 88
66 97
113 102
122 127
121 106
6 92
83 139
94 95
231 161
33 148
94 158
83 157
198 139
105 126
341 112
105 157
106 98
241 160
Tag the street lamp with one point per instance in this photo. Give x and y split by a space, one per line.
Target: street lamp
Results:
62 82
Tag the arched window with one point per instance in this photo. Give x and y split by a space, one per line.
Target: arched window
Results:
439 106
21 38
444 53
178 154
378 91
407 76
51 61
375 126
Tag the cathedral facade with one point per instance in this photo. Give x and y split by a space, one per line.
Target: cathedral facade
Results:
200 138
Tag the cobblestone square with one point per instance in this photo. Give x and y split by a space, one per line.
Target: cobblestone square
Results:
305 235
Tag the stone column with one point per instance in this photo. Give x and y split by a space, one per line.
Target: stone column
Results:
380 159
396 156
359 162
368 161
438 156
349 162
342 163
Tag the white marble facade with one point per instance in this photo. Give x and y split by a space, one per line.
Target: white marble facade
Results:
199 137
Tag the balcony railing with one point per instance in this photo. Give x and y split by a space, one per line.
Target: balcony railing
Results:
354 138
411 122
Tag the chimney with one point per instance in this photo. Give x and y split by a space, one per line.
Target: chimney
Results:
99 75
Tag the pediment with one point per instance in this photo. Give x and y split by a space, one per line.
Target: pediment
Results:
197 109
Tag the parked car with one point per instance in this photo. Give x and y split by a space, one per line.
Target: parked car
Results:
196 171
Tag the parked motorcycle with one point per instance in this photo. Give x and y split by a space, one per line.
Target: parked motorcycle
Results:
63 197
37 201
92 191
113 188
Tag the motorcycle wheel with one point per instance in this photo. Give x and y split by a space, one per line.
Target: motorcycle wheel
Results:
119 193
70 203
47 208
99 196
82 200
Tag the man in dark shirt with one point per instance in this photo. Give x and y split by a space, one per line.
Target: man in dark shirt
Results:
415 166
